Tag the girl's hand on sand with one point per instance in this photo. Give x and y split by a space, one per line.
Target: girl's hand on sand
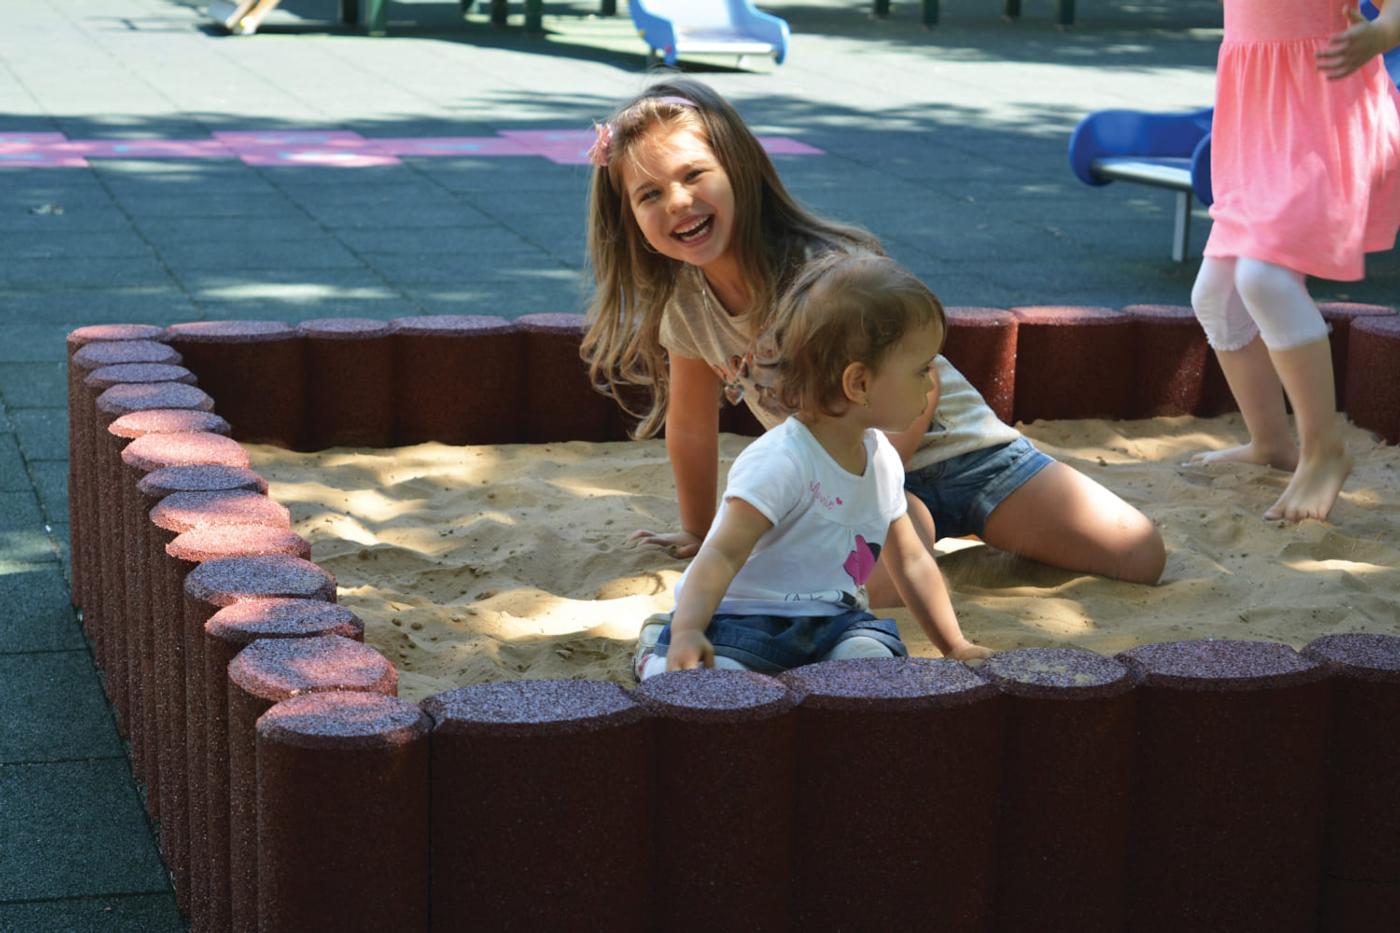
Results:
1349 50
679 544
688 650
968 652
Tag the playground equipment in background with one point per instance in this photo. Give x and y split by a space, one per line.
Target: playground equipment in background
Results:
1011 9
672 28
1163 150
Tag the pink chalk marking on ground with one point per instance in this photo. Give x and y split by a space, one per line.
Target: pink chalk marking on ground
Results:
784 145
37 150
443 146
148 148
326 149
322 158
321 148
562 147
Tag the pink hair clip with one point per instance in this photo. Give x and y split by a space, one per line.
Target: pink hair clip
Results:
598 152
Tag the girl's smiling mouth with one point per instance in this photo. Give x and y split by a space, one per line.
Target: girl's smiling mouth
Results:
692 229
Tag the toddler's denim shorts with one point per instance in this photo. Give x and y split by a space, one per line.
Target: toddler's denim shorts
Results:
963 491
772 644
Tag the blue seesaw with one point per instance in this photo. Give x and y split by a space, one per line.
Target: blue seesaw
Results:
1163 150
672 28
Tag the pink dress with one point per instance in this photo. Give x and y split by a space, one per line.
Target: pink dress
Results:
1306 171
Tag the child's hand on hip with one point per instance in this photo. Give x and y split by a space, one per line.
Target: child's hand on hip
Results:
1349 50
679 544
689 650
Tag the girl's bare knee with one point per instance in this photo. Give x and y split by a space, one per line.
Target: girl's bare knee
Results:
1147 558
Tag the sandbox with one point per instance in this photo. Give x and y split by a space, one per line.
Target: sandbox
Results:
294 788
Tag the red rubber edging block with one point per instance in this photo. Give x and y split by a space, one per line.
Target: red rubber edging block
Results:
195 546
724 744
1373 389
1171 360
238 505
109 604
310 652
560 403
343 814
81 417
255 370
168 639
455 379
1341 314
1067 790
135 521
256 681
349 365
1359 906
209 587
540 807
1363 796
1232 742
870 856
1073 362
981 345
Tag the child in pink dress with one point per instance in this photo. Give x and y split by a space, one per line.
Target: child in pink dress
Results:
1305 162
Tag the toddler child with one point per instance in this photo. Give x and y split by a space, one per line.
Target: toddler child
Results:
779 579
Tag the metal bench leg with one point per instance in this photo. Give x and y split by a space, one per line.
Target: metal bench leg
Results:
499 10
608 8
534 16
1011 9
881 8
930 12
350 12
1065 14
1181 238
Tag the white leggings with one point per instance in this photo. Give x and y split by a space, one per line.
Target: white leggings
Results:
857 646
1235 299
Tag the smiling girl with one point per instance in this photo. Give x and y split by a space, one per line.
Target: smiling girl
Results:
693 238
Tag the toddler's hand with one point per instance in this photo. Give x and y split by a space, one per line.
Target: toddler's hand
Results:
679 544
1349 50
689 649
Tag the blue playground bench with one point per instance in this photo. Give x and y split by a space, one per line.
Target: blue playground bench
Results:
1163 150
672 28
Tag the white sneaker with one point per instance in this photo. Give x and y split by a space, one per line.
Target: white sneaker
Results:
646 641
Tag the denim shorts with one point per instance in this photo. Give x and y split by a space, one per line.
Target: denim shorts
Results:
963 491
772 644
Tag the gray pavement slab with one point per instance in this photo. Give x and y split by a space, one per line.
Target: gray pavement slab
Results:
50 479
14 473
38 613
43 432
74 829
53 709
129 913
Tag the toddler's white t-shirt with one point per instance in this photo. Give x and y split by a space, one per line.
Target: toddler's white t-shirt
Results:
828 524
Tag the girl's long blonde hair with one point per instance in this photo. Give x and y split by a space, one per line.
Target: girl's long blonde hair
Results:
772 235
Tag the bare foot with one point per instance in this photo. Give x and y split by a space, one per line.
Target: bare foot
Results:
1279 458
1314 487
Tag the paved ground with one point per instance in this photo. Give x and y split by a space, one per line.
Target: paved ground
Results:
948 144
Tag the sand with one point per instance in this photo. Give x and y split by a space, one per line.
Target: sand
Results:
475 564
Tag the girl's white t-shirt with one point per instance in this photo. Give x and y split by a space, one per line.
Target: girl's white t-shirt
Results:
828 524
695 324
